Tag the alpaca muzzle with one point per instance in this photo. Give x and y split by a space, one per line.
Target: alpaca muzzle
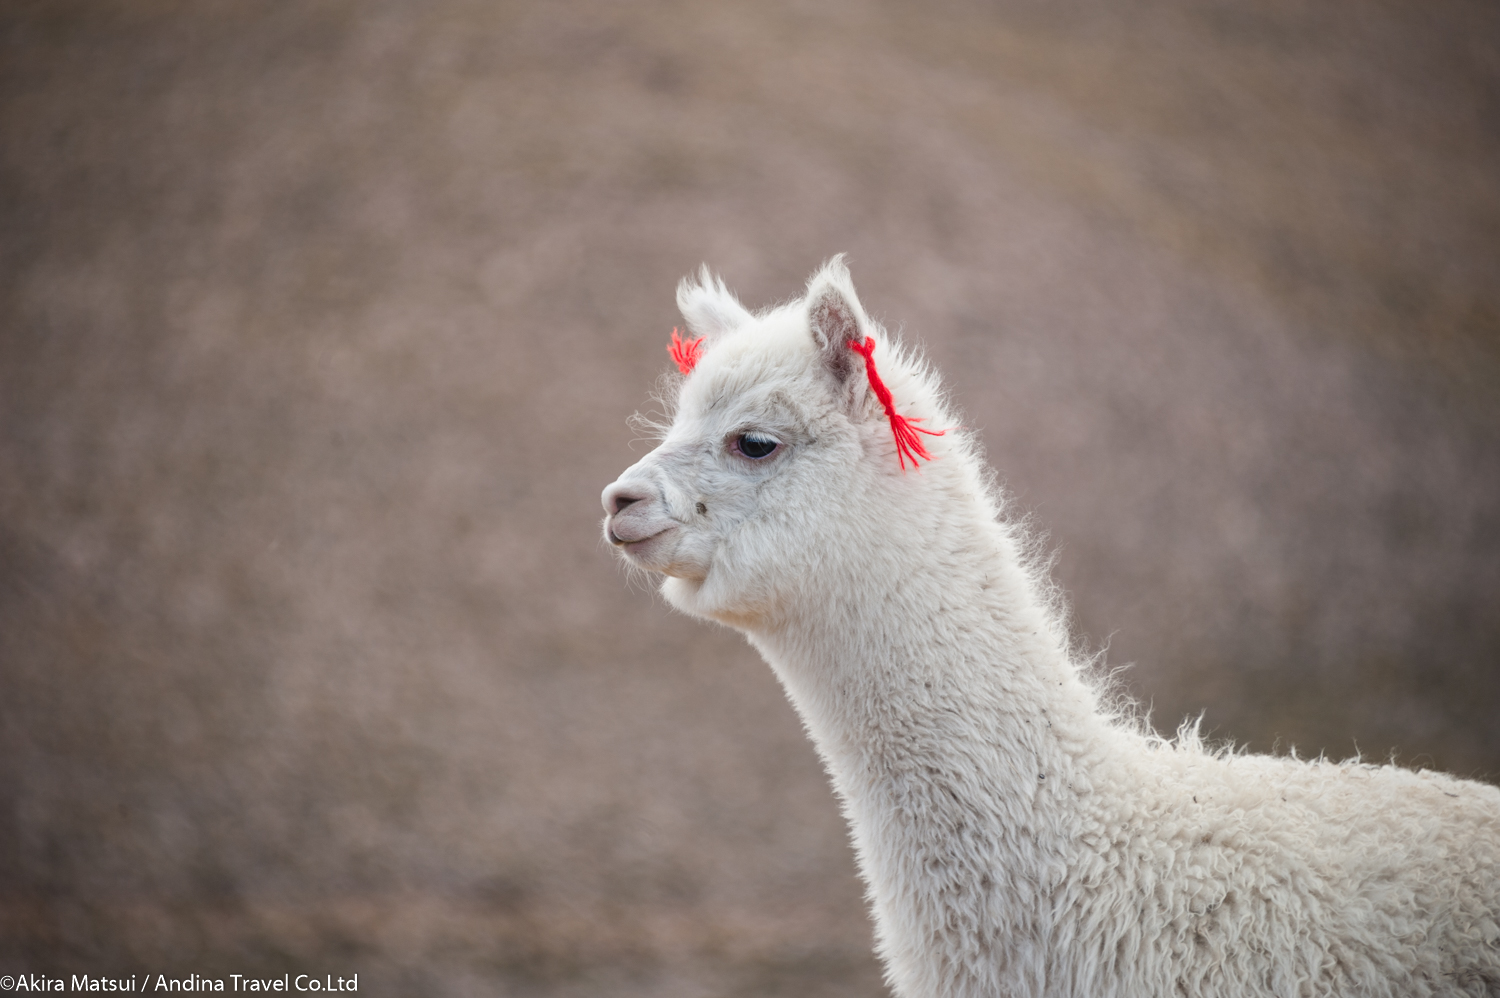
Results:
635 514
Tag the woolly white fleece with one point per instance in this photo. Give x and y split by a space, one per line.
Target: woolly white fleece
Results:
1020 835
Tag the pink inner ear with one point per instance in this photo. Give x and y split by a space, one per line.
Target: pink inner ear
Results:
685 352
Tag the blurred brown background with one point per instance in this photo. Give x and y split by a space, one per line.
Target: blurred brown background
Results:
320 324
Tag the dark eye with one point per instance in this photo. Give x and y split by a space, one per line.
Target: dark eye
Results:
755 445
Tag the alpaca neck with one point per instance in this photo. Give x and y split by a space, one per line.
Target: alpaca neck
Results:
955 653
959 733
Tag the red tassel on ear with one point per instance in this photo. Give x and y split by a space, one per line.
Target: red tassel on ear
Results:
685 352
908 444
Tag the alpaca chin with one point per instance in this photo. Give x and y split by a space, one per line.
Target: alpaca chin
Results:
707 597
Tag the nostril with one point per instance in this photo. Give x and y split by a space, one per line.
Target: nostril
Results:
617 497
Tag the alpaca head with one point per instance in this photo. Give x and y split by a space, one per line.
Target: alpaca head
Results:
779 469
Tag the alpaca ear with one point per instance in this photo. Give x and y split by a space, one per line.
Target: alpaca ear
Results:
709 307
834 317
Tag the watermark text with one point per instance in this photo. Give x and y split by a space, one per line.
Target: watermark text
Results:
139 984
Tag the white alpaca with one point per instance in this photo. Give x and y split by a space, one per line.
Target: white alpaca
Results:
1019 837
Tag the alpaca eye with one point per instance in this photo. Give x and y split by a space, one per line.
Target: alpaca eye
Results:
755 445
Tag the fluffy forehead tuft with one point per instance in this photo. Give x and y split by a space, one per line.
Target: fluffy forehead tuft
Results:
769 355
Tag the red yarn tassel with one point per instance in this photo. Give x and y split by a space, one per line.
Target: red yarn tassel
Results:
908 444
685 352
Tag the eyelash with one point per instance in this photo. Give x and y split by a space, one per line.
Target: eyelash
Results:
755 440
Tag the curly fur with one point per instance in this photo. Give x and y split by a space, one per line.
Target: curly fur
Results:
1020 833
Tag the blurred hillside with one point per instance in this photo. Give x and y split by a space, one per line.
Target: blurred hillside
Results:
319 328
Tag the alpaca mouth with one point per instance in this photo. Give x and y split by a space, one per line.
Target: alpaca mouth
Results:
626 542
638 549
621 542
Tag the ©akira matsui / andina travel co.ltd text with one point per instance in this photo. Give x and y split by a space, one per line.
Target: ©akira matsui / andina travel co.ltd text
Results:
151 984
